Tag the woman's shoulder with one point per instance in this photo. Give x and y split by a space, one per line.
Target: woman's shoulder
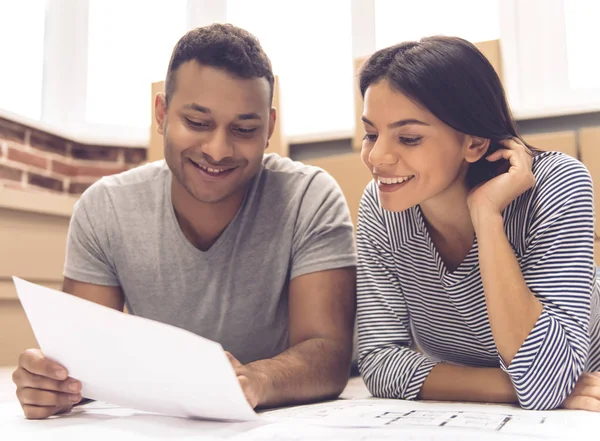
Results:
556 169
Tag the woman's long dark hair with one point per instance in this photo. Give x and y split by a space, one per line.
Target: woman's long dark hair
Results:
455 82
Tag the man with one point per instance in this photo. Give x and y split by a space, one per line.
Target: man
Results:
251 250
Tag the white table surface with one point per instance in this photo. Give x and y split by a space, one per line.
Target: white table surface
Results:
103 422
98 421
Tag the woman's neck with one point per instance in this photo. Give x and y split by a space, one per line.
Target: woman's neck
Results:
449 224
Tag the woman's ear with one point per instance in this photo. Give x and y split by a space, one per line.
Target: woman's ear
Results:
475 148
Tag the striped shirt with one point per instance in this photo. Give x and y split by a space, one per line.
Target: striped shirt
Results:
408 300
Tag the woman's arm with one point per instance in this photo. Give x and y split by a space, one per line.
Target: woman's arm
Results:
448 382
539 307
388 365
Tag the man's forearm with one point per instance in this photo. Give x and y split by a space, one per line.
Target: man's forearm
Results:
309 371
448 382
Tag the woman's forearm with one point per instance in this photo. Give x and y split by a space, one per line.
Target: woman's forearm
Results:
513 310
448 382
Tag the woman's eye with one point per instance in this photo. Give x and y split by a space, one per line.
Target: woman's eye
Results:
370 137
411 141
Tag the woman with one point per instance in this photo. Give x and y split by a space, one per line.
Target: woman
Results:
476 279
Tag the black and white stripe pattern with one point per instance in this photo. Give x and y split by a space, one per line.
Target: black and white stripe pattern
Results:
407 298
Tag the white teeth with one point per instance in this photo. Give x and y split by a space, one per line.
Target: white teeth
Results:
397 180
212 170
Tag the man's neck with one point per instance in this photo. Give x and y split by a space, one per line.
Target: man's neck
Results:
203 223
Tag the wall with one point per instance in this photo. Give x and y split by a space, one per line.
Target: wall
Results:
41 177
33 231
32 159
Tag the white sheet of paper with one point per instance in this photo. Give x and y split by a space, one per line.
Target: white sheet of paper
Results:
132 361
433 418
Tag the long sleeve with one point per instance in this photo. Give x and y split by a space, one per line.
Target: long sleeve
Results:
558 268
390 368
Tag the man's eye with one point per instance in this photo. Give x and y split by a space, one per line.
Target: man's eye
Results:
243 130
196 123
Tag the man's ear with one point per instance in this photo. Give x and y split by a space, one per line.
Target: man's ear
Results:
160 112
272 121
476 148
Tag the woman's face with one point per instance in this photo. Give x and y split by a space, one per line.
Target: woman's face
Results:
413 156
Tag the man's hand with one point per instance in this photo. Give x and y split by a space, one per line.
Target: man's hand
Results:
253 382
43 386
586 395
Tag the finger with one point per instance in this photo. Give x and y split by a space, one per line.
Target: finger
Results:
595 375
41 412
579 402
513 143
590 391
33 360
37 397
234 361
24 379
500 154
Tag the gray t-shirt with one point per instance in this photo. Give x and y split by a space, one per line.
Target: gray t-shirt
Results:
293 221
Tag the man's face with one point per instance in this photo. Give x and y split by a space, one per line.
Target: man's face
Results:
215 130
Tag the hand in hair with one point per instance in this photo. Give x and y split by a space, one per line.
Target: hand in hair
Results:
491 197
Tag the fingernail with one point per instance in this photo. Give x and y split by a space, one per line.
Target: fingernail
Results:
75 398
73 386
61 373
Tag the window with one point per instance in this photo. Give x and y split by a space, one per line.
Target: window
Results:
401 20
129 47
583 39
310 46
549 49
22 27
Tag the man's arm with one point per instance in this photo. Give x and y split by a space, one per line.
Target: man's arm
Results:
317 364
110 296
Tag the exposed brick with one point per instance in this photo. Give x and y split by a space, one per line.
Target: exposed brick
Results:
48 143
12 131
45 182
95 153
63 168
39 161
78 187
9 173
135 156
11 184
99 171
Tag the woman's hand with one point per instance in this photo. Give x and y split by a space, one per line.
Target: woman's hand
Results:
586 395
493 196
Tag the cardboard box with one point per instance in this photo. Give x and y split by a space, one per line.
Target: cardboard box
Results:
492 51
565 142
351 175
359 131
33 247
589 144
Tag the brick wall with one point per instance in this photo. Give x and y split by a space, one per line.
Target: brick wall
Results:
31 159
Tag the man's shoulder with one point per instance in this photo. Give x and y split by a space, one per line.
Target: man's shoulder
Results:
139 183
286 167
294 176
